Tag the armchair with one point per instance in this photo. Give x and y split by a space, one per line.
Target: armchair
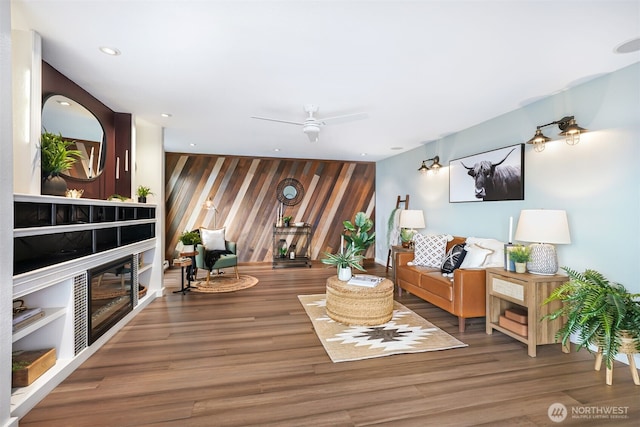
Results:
225 260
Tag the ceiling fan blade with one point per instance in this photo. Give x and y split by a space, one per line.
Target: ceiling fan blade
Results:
344 118
278 120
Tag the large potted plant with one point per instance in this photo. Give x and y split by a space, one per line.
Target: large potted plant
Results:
356 233
601 313
345 260
55 158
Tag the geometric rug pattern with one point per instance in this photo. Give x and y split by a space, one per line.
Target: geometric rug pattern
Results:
406 332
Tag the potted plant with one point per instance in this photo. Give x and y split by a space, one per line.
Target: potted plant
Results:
142 193
601 313
406 235
345 260
520 254
189 239
55 158
286 220
357 232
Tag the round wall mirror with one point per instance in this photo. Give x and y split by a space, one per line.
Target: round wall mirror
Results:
290 191
62 115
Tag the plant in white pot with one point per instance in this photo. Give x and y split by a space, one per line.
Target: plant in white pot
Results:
520 254
345 260
189 239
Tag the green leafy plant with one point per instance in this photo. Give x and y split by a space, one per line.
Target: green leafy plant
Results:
190 238
55 155
350 257
117 197
406 234
143 191
287 219
520 254
601 313
357 232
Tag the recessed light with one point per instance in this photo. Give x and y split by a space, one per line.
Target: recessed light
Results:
363 154
165 115
629 46
192 144
276 149
109 50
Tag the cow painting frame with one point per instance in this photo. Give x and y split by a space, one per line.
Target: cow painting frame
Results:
494 175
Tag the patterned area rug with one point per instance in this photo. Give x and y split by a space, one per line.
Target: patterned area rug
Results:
224 283
406 332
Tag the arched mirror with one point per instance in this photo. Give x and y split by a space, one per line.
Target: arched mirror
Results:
290 191
61 115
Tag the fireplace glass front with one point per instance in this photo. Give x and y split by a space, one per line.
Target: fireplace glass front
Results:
110 295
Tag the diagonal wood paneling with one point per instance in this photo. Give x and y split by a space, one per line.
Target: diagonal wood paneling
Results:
244 191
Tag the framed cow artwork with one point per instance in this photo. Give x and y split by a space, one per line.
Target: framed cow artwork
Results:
489 176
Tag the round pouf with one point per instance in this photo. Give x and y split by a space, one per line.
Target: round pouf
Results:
359 305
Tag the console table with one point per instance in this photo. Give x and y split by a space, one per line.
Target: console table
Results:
507 289
291 246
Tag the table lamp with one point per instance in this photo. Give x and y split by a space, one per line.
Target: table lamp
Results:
411 219
544 228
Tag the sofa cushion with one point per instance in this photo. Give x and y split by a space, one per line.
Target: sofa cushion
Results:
453 258
438 285
429 250
475 257
495 259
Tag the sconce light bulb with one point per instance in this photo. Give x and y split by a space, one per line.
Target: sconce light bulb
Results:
573 138
539 146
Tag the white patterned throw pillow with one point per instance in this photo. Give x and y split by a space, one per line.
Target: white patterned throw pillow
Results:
429 250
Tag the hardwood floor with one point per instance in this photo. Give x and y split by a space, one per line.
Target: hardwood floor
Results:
251 358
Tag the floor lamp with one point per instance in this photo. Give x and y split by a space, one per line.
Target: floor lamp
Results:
544 228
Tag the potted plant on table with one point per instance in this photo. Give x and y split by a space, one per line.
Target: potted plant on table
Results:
56 157
406 235
520 254
189 239
142 193
286 220
601 313
345 260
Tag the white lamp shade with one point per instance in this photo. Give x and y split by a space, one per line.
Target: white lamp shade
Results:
411 218
543 226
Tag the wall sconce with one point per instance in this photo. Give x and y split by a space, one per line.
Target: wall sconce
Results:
570 130
435 166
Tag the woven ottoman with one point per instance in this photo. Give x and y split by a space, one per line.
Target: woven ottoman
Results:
359 305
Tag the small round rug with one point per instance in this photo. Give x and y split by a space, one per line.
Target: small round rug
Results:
224 283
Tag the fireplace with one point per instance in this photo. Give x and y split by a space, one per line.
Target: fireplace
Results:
110 295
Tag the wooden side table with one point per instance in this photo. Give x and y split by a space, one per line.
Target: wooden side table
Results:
507 289
394 250
187 260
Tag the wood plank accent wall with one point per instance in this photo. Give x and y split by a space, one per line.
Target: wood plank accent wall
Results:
244 191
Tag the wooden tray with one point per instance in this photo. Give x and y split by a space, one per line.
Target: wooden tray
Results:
37 363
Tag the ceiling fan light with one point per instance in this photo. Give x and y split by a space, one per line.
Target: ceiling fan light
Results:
312 130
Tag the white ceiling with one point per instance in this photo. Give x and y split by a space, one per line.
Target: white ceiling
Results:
420 69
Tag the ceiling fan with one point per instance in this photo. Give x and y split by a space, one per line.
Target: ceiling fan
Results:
311 125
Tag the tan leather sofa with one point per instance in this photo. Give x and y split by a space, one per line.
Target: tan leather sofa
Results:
463 295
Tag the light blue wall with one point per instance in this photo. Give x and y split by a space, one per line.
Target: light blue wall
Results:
596 182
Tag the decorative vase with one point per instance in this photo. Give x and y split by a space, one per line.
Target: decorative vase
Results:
142 199
188 248
406 244
344 273
521 267
54 185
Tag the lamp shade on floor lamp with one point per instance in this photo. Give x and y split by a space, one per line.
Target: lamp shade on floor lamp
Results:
543 228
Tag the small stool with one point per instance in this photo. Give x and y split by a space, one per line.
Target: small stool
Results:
359 305
627 348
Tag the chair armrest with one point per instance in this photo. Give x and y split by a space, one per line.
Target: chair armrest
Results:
402 258
231 246
469 292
